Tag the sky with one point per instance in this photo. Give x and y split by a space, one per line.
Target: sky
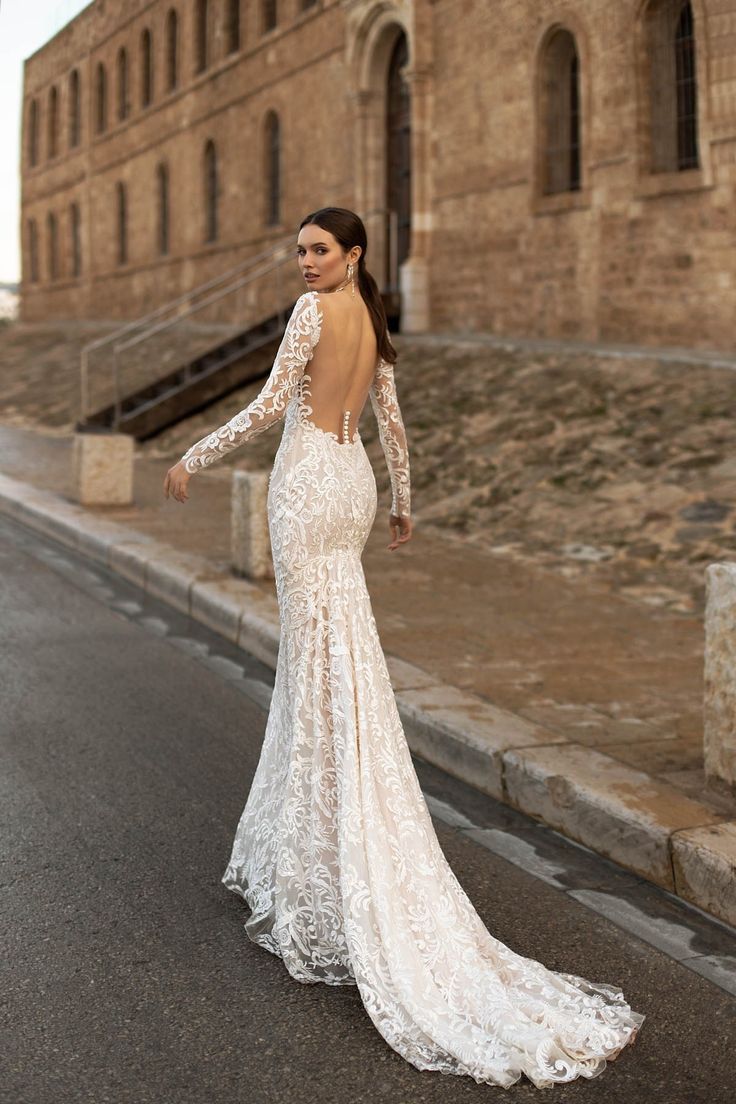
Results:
24 26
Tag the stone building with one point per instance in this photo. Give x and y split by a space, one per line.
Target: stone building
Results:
559 168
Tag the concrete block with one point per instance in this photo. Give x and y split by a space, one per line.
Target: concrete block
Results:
250 539
615 810
719 702
102 466
704 861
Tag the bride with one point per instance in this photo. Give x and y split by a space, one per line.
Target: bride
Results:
335 852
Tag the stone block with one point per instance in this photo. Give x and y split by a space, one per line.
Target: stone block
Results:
103 468
612 808
250 540
704 861
719 702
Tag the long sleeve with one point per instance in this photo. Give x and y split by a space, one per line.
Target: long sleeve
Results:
295 351
391 431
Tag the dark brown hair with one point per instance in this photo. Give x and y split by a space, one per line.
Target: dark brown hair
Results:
348 230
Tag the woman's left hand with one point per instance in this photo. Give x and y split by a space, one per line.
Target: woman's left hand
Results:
176 482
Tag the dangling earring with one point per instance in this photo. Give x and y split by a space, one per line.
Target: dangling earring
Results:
352 281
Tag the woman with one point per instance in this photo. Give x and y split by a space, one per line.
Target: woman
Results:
335 852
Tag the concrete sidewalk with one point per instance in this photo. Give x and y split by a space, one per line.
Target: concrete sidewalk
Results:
578 707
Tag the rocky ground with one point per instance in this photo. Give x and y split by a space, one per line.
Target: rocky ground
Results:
620 469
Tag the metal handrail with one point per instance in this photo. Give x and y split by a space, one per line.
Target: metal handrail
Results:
149 324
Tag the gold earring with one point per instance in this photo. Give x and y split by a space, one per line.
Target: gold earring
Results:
352 281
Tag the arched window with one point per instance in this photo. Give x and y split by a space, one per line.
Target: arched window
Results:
146 68
687 91
74 109
33 250
122 72
33 133
53 121
172 47
272 167
53 245
162 180
122 213
269 15
211 192
233 26
560 114
201 43
75 239
101 98
673 89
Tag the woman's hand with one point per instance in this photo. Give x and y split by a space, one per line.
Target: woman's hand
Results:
176 481
400 528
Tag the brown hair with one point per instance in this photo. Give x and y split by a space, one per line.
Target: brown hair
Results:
348 229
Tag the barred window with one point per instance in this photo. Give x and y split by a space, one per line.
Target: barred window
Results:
673 91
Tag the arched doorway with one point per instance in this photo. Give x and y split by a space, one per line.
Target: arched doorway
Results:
398 145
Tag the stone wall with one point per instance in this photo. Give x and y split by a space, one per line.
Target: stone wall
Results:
632 256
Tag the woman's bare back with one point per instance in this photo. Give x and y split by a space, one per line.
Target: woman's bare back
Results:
343 364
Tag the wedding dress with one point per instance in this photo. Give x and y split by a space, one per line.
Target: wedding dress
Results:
335 852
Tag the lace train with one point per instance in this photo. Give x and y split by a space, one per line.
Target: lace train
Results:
336 853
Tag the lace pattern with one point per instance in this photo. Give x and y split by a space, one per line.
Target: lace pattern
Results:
335 852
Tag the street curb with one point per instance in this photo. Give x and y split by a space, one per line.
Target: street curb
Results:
641 823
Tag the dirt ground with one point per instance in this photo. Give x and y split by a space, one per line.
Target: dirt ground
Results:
591 464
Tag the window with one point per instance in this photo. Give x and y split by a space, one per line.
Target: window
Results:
122 212
53 122
53 245
74 108
201 45
162 179
101 98
673 93
75 243
122 72
269 15
233 26
560 114
33 250
272 148
33 133
146 68
211 190
172 44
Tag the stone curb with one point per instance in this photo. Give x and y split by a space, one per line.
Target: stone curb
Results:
645 825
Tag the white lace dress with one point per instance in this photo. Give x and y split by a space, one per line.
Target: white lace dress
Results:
335 852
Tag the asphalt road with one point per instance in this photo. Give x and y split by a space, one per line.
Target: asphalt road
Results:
129 735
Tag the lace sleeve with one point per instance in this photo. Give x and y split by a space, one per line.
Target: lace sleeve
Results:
295 351
391 431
